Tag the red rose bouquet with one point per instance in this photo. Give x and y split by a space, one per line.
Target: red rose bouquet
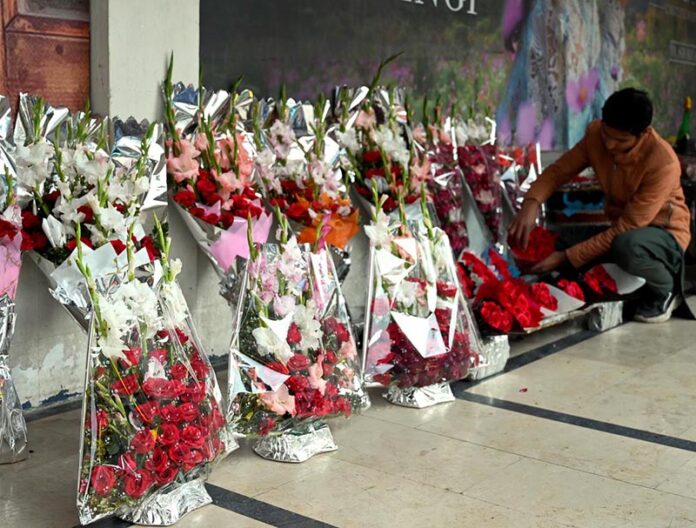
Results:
418 330
293 358
153 422
600 282
503 303
300 172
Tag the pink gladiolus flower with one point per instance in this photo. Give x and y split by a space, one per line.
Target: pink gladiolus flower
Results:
347 350
316 373
580 93
201 142
366 120
184 166
280 401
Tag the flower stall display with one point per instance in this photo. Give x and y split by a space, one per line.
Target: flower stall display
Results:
152 419
293 361
419 334
299 169
13 429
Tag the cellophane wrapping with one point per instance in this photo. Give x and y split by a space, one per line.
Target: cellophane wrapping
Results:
419 331
13 429
293 360
152 416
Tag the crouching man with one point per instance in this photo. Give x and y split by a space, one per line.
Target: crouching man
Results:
640 176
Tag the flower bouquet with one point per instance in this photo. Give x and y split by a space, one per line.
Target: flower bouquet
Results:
152 422
293 361
542 243
378 151
503 303
419 335
479 164
13 429
446 182
299 169
210 162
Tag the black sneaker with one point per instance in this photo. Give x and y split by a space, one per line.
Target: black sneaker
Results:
659 310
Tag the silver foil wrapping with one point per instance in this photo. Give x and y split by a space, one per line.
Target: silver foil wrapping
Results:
170 504
605 316
297 446
420 397
13 429
495 352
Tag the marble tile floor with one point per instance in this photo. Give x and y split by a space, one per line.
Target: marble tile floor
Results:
600 433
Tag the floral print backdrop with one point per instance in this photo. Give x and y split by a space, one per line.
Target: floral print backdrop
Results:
542 67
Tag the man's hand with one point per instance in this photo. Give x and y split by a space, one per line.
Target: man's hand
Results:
554 261
523 224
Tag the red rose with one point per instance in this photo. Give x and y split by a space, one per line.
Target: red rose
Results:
192 436
168 434
372 156
179 371
126 386
194 392
542 295
127 464
143 442
342 333
572 288
8 229
266 425
298 362
296 212
133 356
446 289
39 241
188 412
161 388
170 413
119 247
199 366
205 186
330 357
226 219
160 354
297 383
89 214
167 475
102 419
178 453
136 484
148 411
294 334
149 245
342 405
181 336
496 317
185 198
30 220
217 419
192 459
103 480
158 461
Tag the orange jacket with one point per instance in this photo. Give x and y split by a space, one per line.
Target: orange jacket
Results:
641 188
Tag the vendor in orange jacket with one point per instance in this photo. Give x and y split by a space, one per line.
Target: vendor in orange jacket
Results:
640 176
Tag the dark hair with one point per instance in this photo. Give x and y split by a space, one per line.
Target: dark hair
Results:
628 110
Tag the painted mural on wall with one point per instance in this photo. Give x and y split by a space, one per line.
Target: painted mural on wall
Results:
543 67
